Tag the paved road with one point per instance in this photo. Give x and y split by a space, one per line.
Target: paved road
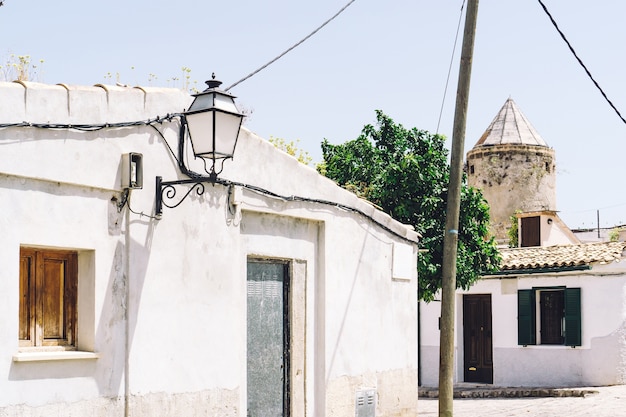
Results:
609 402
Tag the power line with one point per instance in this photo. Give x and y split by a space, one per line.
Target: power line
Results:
168 118
580 61
445 90
292 47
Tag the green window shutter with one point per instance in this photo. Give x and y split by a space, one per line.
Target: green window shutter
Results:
526 333
572 317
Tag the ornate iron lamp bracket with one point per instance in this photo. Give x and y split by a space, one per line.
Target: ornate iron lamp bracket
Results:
166 191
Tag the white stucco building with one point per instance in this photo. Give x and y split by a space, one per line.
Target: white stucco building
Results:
110 312
553 316
555 313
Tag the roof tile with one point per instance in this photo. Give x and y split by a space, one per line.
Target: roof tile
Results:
562 255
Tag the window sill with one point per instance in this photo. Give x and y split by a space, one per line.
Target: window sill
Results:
550 346
53 356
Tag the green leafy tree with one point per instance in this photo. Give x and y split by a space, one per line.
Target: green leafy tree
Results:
513 232
406 173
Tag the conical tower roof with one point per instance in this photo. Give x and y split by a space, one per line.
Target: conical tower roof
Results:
510 126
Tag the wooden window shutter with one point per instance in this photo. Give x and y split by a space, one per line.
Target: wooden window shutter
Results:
526 327
530 232
27 297
48 297
58 285
573 334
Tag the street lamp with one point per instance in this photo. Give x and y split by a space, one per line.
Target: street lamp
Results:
213 123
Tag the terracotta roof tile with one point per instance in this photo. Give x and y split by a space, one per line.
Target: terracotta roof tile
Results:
562 255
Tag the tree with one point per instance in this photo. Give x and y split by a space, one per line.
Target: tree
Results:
405 172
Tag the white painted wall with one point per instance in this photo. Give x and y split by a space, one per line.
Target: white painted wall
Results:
163 302
601 360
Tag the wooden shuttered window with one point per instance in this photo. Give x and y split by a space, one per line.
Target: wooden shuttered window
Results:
573 331
526 322
48 294
552 309
567 305
531 231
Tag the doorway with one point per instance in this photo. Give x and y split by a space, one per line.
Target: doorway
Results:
267 338
477 338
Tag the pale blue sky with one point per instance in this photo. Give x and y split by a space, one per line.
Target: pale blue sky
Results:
390 55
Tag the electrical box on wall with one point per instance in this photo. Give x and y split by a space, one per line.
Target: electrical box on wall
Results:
132 170
366 403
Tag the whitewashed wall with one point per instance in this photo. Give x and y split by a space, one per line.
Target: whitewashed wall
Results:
162 303
601 360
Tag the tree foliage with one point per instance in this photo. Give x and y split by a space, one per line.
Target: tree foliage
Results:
513 232
406 173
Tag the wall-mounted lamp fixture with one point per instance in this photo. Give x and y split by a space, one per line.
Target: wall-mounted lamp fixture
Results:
549 221
213 123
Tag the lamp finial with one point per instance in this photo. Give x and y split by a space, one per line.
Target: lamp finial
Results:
213 83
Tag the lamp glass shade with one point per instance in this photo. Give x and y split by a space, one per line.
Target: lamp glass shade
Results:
214 133
213 122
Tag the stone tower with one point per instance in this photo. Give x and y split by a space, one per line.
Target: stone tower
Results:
514 167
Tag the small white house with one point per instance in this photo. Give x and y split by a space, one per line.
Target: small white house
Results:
553 316
271 292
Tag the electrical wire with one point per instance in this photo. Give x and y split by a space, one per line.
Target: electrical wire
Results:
140 214
445 90
263 191
93 127
292 47
580 61
125 197
166 143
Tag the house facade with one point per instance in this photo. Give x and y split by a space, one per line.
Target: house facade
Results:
271 292
553 316
555 313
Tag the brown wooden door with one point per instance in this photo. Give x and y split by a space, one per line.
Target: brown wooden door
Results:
477 338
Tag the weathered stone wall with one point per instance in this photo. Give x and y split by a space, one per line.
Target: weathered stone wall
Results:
513 177
395 393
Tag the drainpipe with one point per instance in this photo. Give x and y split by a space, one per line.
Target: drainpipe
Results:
419 343
126 315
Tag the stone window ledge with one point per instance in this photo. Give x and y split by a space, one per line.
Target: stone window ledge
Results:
53 356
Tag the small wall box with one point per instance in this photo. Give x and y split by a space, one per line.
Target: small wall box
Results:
132 170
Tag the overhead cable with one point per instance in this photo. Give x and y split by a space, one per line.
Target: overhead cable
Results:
159 120
580 61
445 90
292 47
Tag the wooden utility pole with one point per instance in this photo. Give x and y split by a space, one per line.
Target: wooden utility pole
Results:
450 242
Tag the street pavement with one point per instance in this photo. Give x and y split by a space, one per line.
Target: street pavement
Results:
603 402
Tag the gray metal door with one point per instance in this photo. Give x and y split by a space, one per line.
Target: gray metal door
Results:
267 339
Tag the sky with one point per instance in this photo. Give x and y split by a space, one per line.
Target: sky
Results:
391 55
